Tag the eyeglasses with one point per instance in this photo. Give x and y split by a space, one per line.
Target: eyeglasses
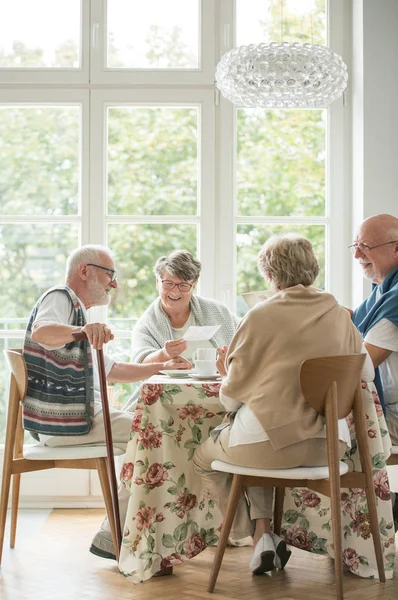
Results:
365 248
112 272
170 285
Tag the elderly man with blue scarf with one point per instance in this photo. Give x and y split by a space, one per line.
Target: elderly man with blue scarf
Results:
376 249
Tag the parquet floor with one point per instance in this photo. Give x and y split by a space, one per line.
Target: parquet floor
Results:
51 562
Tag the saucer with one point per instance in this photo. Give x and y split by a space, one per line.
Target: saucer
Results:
177 373
214 377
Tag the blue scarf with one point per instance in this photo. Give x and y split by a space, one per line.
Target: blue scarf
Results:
371 311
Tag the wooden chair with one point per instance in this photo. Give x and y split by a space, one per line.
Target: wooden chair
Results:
331 385
18 460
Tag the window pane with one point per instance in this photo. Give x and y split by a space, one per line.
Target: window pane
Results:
33 259
250 238
275 149
152 160
155 34
136 248
40 34
40 160
259 21
5 344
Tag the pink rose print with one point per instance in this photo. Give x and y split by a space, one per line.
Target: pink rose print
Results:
211 389
137 540
186 501
382 487
190 411
172 560
144 517
311 499
346 503
376 400
194 545
127 472
156 475
350 559
150 438
357 493
160 517
136 425
298 537
150 393
138 481
372 433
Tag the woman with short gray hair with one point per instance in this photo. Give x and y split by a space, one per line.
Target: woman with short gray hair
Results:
159 332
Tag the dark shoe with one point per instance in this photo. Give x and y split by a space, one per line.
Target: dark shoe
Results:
101 553
263 555
282 555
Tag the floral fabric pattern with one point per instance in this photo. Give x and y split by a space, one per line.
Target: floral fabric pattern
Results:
172 518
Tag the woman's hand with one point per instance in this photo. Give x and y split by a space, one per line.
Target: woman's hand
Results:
177 363
174 348
220 364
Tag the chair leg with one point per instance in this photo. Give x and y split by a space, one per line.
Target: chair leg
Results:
278 509
361 427
16 482
226 528
5 492
102 469
374 527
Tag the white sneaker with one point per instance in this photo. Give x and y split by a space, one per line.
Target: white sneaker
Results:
282 554
263 555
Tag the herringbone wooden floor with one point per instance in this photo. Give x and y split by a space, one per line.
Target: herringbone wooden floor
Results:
51 561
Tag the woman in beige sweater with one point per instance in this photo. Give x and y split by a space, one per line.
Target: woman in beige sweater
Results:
273 426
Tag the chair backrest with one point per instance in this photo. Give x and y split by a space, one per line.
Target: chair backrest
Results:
318 374
18 369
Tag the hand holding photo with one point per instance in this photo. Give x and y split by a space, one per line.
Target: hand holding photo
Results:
198 334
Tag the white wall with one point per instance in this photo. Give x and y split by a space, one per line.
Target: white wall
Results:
374 102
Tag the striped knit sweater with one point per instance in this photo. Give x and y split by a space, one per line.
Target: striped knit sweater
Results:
60 395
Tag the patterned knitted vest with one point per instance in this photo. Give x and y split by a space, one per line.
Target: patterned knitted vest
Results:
60 395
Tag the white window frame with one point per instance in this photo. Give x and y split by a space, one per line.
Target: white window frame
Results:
205 219
100 73
336 221
217 219
63 76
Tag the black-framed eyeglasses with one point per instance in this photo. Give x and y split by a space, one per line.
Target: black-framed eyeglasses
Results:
365 248
112 272
170 285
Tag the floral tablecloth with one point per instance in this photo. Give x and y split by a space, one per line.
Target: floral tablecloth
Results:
306 521
171 518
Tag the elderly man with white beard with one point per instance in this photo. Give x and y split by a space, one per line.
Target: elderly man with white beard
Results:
63 403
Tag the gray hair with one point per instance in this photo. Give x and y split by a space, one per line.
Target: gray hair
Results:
84 255
289 260
179 263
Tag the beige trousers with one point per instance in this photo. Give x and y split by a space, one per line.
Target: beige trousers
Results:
256 503
392 425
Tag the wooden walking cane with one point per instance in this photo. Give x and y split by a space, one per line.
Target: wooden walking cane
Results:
78 336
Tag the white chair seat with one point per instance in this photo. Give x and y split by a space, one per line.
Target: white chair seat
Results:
38 452
297 473
394 450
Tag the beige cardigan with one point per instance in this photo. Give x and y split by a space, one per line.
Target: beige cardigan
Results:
265 355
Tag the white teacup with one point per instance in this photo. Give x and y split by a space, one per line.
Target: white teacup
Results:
205 368
205 354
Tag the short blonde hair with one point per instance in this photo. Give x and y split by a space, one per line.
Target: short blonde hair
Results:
289 260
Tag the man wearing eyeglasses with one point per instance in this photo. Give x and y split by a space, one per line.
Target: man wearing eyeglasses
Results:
63 404
376 249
